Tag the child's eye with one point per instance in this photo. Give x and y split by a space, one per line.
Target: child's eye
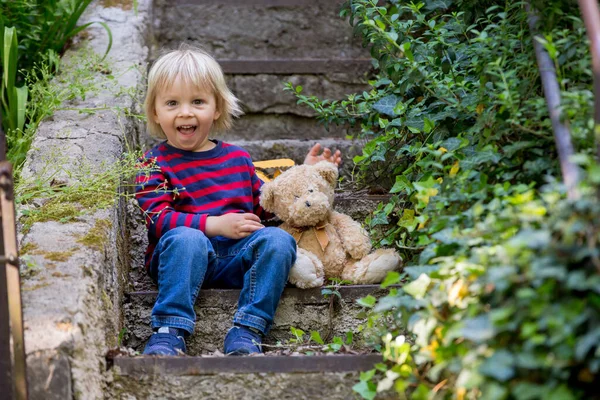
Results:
171 103
198 102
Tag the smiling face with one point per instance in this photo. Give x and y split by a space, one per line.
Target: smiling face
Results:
186 115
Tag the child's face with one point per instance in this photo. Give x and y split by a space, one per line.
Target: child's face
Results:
186 115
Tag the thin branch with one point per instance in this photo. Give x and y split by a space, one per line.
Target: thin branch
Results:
591 18
562 135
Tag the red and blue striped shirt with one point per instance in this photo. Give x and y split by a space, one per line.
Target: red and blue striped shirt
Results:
183 188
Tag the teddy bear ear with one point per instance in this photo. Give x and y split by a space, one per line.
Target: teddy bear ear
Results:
267 197
328 171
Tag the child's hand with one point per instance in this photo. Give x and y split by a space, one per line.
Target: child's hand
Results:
313 156
233 226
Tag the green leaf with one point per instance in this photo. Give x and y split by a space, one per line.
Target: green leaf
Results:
21 95
407 52
386 105
391 278
561 393
429 125
349 338
418 287
368 301
478 329
316 337
586 343
500 366
402 184
367 390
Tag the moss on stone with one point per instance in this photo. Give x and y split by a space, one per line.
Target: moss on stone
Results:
124 4
58 274
28 248
58 255
97 237
35 287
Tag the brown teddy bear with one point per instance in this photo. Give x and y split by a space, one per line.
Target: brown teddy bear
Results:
330 244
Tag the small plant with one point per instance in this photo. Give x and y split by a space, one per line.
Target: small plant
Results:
12 98
121 336
44 30
69 193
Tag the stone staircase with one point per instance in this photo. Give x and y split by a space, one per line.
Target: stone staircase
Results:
261 44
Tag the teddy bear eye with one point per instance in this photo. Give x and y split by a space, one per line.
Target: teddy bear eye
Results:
310 190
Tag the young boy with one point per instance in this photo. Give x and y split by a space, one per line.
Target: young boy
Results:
202 209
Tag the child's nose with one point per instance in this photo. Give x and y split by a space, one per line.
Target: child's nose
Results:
185 111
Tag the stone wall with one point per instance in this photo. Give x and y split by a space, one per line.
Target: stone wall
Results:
72 296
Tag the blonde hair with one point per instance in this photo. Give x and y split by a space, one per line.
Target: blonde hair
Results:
200 69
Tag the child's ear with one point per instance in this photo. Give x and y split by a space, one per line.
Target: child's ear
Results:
217 115
267 197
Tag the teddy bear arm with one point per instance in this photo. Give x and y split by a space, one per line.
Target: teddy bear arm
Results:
355 239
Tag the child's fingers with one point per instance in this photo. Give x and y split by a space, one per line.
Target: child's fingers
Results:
251 217
314 151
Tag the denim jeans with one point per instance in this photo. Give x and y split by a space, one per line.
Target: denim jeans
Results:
185 260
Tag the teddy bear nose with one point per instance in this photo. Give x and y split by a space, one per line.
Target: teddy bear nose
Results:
307 203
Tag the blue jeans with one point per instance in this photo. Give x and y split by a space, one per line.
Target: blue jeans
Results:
185 260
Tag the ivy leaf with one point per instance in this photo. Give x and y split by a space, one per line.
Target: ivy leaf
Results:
368 390
391 278
316 337
368 301
402 184
585 344
386 105
379 219
454 143
475 158
417 270
478 329
499 366
418 287
428 125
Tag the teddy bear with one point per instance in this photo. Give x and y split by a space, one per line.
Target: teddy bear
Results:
330 244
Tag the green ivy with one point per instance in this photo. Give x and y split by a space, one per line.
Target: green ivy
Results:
502 286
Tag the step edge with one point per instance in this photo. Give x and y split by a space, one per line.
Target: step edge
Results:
349 293
206 365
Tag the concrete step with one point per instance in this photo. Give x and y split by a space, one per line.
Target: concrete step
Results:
263 92
273 126
261 377
307 309
258 29
297 149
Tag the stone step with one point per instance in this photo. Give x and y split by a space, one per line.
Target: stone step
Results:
258 29
272 126
259 377
264 93
297 150
308 310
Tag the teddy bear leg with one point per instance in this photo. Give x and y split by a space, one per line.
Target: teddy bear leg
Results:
307 272
373 268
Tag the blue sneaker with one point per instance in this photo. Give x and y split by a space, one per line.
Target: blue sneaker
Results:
165 342
242 340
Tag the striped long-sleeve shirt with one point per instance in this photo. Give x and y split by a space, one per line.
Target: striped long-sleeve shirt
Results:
186 187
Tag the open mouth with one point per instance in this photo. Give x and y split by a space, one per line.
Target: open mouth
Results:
186 129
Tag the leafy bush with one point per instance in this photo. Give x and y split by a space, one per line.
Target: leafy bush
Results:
44 29
503 292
